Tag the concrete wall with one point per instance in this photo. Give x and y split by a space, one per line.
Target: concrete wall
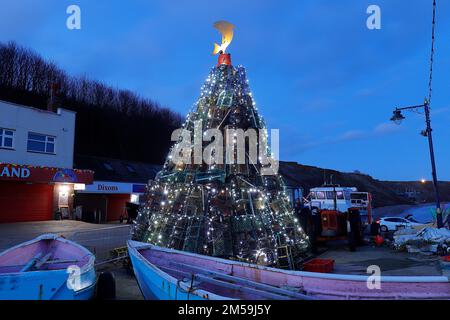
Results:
25 119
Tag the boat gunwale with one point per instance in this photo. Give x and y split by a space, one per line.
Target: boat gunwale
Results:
166 276
307 274
87 267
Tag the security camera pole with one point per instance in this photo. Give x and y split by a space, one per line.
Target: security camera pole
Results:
397 118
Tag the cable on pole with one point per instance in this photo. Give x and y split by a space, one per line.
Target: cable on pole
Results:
433 28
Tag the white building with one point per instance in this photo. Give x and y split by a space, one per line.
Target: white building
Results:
36 163
36 137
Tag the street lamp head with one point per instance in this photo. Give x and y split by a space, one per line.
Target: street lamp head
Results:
397 117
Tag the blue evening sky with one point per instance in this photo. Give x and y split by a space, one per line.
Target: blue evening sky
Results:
317 73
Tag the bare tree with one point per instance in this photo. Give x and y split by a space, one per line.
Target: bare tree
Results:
110 121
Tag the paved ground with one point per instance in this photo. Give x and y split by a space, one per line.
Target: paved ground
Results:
391 262
126 285
15 233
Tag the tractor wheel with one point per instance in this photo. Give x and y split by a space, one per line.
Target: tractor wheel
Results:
351 237
374 229
354 235
309 228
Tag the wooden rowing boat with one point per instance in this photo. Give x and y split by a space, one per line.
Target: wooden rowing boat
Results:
47 268
168 274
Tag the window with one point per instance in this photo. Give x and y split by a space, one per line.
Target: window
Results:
396 220
359 196
40 143
320 195
6 138
330 195
313 195
340 195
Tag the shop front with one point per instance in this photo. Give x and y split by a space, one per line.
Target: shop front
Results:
106 201
36 193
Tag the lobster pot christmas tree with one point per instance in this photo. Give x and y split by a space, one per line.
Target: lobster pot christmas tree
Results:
215 206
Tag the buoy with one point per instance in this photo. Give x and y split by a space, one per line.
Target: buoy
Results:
379 240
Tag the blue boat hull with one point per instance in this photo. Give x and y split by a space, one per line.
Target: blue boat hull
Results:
69 276
156 285
45 285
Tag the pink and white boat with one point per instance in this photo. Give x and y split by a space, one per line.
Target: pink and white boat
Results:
48 267
168 274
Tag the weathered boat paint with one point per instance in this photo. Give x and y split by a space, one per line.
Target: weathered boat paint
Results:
49 283
154 282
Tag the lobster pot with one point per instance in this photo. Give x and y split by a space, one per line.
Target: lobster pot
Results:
222 248
175 177
189 178
179 177
236 169
214 116
271 182
190 245
194 204
203 106
242 207
191 208
225 99
179 233
242 224
226 206
229 143
259 203
222 244
179 202
221 205
179 166
278 206
265 220
217 167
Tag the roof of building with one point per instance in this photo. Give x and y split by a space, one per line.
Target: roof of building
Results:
57 112
108 169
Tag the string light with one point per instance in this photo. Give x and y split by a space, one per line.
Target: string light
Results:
221 210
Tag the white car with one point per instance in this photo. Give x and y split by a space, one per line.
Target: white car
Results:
395 223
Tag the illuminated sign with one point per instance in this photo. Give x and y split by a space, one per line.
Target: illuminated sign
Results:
10 172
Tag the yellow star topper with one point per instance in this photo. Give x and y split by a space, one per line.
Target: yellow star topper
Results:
226 29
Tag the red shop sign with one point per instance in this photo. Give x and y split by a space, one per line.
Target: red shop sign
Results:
11 172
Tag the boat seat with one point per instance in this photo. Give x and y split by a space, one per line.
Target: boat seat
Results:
245 285
31 263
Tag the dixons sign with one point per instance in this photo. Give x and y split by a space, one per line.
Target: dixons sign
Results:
25 173
114 187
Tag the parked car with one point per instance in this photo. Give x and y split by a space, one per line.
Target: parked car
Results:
395 223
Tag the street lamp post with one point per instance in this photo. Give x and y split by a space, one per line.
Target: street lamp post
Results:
397 118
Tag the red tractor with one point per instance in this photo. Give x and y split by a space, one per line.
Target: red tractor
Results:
332 212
